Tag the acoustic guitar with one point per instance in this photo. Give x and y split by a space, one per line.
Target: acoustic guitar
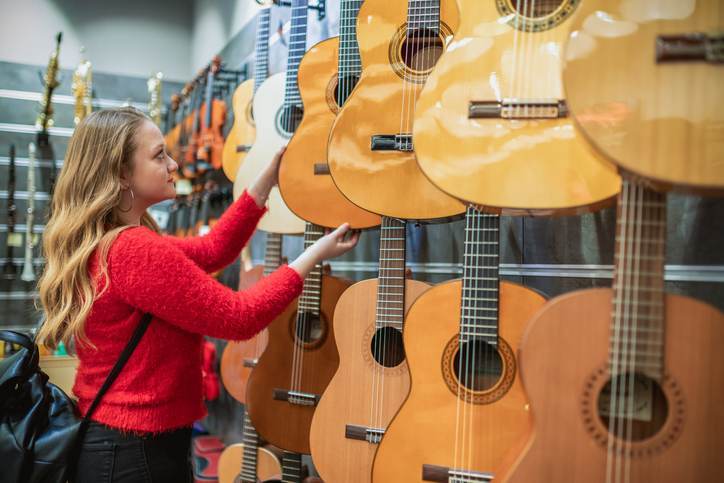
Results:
243 131
399 43
327 74
466 396
247 462
372 380
623 382
212 117
644 82
298 363
277 110
492 126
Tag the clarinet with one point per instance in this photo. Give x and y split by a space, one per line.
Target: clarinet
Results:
28 274
9 269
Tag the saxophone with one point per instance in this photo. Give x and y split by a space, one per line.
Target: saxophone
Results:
154 103
50 80
28 274
82 88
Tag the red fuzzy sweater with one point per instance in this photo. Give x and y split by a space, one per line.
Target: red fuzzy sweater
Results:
160 387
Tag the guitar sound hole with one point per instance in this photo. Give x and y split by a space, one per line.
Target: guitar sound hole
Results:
309 329
478 365
421 49
638 402
536 8
344 89
288 118
387 347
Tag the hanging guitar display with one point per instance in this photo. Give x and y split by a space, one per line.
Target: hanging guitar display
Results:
298 363
372 380
461 339
644 85
212 117
14 239
327 74
399 43
619 371
243 131
277 111
28 273
492 125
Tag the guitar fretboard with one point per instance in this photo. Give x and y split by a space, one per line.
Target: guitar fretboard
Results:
261 62
637 321
251 448
423 14
310 299
291 467
273 253
297 47
391 279
350 65
481 284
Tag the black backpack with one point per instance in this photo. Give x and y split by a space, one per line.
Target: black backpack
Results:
40 428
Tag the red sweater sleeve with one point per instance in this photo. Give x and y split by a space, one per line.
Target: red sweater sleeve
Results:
153 275
224 242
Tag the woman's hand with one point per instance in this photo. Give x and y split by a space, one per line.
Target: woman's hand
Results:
267 179
329 246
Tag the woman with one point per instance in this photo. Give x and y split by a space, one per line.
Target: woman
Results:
107 265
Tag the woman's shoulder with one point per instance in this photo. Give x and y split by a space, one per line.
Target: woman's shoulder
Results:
137 239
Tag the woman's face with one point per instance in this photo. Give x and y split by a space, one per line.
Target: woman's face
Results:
151 179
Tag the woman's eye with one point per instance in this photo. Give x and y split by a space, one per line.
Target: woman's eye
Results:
161 155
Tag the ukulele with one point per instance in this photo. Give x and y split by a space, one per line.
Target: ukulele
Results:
492 127
298 363
645 87
399 43
243 131
277 110
370 384
327 74
623 381
212 118
465 395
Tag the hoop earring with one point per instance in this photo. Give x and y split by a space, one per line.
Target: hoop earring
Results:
133 197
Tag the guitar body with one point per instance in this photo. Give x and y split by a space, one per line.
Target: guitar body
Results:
268 105
349 398
534 166
234 372
315 197
268 465
564 358
496 423
281 423
660 120
401 189
242 131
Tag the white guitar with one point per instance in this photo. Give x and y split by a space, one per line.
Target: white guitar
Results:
277 111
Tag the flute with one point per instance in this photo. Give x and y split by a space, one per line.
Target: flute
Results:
28 274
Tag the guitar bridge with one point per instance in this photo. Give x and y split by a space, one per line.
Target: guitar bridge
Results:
442 474
518 109
296 397
243 148
251 362
392 142
690 48
362 433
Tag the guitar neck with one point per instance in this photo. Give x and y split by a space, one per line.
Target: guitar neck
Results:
637 319
209 97
291 467
251 449
310 301
273 254
423 14
481 283
350 65
261 63
391 279
297 47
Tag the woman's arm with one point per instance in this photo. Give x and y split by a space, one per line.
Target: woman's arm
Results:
150 273
224 242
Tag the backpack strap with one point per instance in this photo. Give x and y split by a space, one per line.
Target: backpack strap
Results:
122 359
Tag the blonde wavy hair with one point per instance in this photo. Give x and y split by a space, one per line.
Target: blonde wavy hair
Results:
83 218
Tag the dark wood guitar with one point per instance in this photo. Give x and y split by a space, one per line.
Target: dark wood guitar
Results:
624 383
213 117
298 363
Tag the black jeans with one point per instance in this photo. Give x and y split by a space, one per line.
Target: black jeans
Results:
108 455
